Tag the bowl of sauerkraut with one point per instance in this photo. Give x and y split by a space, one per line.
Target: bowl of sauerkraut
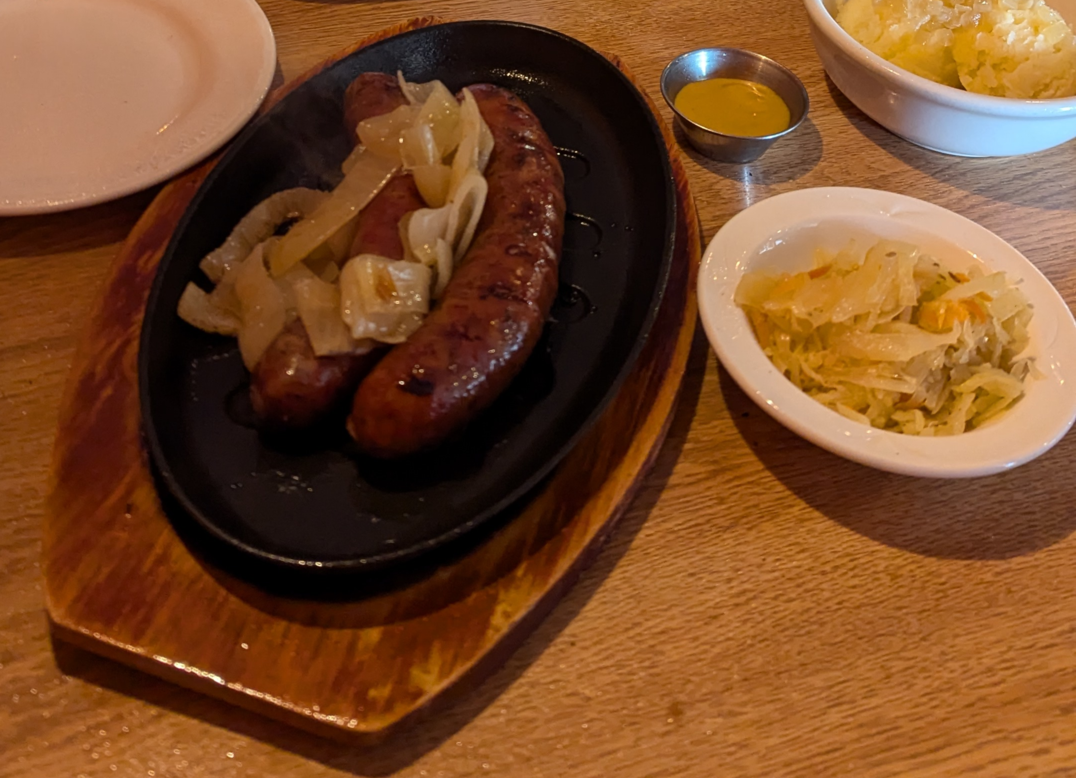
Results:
975 78
891 331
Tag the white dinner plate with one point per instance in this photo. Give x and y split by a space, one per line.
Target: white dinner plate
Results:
101 98
779 234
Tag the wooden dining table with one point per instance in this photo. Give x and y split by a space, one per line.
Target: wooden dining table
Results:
762 608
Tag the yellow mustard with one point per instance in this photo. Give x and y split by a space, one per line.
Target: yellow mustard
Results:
734 106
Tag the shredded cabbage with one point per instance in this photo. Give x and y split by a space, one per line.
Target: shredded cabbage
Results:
894 339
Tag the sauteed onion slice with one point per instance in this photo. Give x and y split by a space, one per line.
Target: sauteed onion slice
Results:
263 281
368 175
260 223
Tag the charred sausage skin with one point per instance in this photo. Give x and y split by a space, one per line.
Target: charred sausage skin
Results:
492 313
291 388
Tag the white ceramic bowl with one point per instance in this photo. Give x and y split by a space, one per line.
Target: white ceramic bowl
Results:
938 117
780 233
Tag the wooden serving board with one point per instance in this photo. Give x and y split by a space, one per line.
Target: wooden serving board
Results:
120 582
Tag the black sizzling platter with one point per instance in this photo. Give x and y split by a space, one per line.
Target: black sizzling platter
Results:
323 507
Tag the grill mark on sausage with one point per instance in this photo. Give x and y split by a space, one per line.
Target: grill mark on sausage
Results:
420 387
504 291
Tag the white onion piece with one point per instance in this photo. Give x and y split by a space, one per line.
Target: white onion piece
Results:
485 147
361 184
418 146
388 328
330 273
476 143
387 285
318 304
323 265
405 241
336 249
287 283
441 113
223 303
261 222
223 295
432 182
263 312
425 227
349 161
383 299
197 309
424 242
439 237
445 266
416 94
464 212
382 135
405 87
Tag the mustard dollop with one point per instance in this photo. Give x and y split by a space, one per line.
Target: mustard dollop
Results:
733 106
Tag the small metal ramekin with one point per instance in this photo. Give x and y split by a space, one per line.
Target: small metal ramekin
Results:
702 64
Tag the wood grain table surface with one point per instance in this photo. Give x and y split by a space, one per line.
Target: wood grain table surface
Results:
764 608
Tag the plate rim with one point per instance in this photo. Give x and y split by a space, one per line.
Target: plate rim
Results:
379 561
223 132
964 456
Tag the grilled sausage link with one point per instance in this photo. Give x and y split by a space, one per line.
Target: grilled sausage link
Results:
291 388
492 313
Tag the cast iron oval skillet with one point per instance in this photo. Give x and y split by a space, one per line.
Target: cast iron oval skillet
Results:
321 506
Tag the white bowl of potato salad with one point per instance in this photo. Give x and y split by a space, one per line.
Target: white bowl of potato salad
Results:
976 78
891 331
